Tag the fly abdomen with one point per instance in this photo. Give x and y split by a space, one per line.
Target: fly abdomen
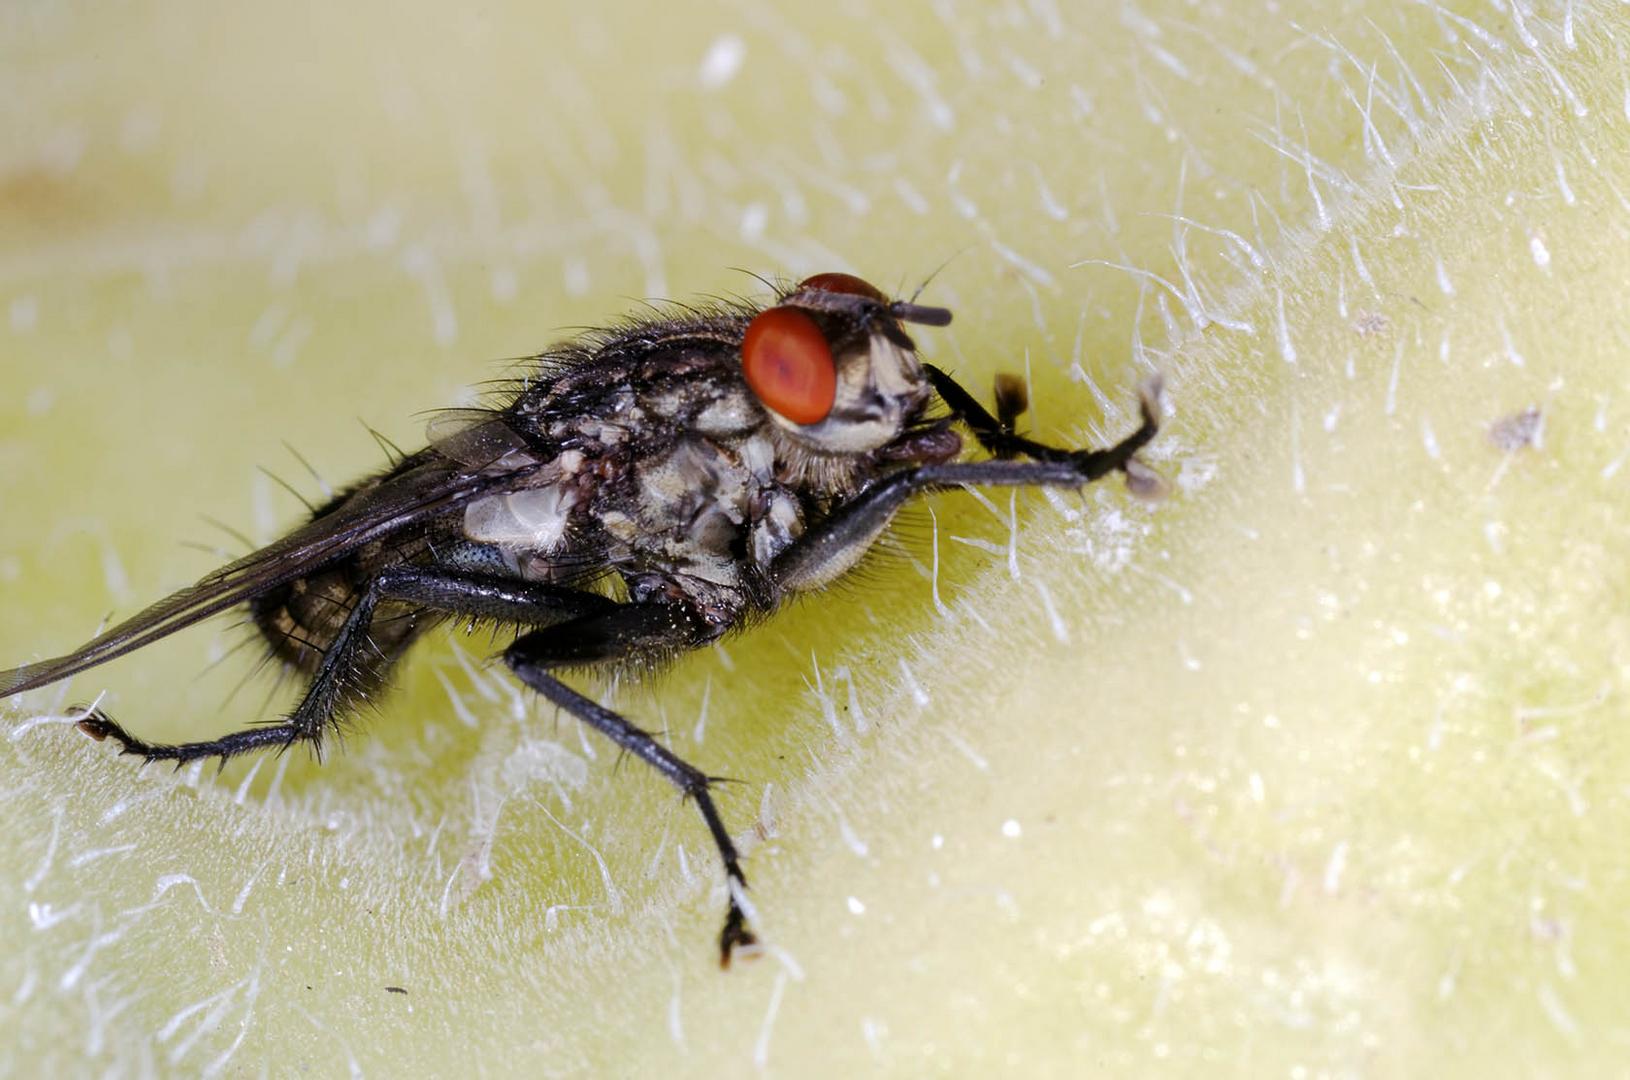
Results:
301 619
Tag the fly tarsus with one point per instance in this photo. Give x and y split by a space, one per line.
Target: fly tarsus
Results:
100 726
1095 464
735 934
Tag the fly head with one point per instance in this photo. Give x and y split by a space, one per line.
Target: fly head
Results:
833 366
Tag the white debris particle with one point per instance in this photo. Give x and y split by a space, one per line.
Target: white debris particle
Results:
910 196
1557 1013
38 876
1287 348
421 265
936 842
873 1031
855 906
113 573
1445 286
676 1021
1012 829
966 749
761 1049
25 313
1061 629
754 217
139 128
1334 867
1298 480
1392 381
1358 264
722 61
851 839
505 285
383 227
915 688
576 274
1511 352
1541 253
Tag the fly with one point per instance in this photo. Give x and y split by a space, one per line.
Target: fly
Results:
643 491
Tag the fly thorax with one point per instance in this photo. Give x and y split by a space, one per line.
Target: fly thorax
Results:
533 521
776 516
778 521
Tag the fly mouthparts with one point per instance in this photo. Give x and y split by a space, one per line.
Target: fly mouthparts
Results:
921 314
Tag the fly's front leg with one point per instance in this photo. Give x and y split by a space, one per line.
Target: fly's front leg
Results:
835 544
632 631
996 434
350 653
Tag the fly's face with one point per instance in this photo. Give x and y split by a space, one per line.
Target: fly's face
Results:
833 366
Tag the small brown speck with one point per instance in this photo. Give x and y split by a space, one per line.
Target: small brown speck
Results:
394 990
1370 323
1518 430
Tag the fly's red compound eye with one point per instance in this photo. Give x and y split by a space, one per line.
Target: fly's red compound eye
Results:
844 283
789 365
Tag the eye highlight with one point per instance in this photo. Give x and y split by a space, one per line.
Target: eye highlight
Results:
844 283
789 365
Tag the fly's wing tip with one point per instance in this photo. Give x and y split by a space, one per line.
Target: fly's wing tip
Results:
28 677
13 682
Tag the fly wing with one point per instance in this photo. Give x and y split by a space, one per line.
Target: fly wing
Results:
423 486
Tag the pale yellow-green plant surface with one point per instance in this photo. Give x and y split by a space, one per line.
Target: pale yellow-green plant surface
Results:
1320 765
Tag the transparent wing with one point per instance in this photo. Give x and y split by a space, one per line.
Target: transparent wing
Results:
423 486
475 438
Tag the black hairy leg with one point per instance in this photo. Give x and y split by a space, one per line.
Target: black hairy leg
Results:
629 632
995 433
837 543
503 600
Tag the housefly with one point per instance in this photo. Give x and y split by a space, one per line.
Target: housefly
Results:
643 490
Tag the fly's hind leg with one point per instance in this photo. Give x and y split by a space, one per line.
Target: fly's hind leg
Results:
306 723
345 656
628 632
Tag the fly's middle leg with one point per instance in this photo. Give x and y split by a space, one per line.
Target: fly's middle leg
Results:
630 631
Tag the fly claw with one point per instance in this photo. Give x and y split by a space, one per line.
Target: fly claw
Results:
703 467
